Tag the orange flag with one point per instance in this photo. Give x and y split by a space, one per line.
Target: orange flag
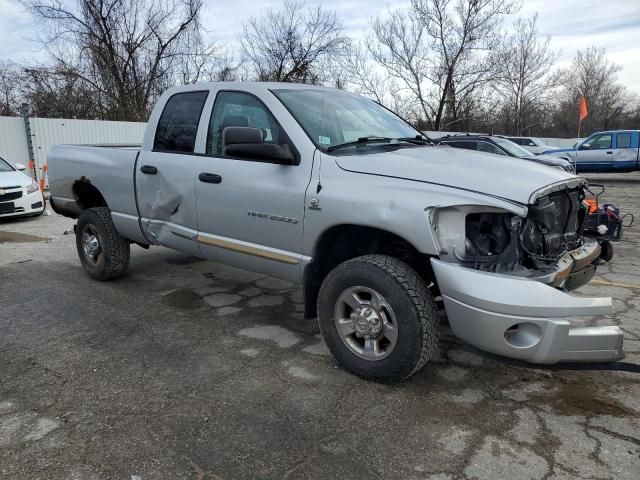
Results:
583 108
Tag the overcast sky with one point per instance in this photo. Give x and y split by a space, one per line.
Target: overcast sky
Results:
572 24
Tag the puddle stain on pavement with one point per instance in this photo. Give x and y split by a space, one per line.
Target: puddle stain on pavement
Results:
14 237
184 298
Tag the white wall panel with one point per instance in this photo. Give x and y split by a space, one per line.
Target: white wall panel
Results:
13 142
46 132
50 131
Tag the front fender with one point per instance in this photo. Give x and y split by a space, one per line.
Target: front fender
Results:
398 206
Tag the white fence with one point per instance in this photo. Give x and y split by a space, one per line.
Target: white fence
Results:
13 141
46 132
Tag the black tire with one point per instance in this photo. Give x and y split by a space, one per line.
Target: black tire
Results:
416 314
112 260
606 251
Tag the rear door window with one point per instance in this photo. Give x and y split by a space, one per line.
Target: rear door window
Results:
178 124
624 140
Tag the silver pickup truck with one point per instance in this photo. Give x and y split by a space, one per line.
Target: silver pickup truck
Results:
383 229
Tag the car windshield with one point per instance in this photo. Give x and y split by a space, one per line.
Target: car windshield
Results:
513 148
332 117
4 166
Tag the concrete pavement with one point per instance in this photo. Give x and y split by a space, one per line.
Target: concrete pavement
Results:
190 369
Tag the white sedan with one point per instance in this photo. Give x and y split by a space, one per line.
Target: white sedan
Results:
19 193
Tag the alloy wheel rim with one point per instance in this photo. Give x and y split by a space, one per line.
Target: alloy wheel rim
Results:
91 245
366 323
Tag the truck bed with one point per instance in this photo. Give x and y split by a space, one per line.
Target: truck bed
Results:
109 168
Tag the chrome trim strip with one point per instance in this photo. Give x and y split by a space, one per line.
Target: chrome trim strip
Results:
251 249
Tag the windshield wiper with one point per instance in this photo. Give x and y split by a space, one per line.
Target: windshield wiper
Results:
360 141
418 140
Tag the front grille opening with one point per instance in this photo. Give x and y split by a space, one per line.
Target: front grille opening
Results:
10 196
554 225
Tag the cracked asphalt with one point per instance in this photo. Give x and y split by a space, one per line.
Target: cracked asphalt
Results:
186 369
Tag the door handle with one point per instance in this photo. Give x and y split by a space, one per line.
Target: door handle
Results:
210 178
609 152
148 169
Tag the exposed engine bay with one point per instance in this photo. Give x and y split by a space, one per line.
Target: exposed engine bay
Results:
548 244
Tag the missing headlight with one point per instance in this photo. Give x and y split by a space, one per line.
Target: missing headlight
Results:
491 241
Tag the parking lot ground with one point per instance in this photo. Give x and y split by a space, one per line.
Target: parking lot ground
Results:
190 369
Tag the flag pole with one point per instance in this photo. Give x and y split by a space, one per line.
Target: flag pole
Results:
579 125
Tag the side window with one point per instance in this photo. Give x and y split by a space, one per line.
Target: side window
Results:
178 124
237 109
601 141
487 147
623 140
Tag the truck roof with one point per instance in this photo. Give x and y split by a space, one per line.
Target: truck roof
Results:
616 131
247 86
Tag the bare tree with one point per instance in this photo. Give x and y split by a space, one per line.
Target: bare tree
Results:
463 34
361 74
127 51
439 51
526 80
591 74
53 92
10 85
399 46
288 45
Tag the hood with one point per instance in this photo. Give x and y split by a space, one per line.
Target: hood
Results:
548 160
510 178
14 179
553 151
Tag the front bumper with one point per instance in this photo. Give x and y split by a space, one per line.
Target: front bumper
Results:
523 318
25 204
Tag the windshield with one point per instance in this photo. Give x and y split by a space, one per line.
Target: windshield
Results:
332 117
4 166
513 148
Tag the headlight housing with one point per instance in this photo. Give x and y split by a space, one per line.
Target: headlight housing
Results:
33 187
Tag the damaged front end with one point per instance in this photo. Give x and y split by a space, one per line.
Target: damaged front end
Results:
504 278
547 244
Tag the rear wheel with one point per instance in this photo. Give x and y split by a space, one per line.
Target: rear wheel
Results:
103 252
378 318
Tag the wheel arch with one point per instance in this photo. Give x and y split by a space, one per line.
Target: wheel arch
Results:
343 242
87 195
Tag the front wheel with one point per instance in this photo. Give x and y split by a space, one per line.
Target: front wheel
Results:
378 318
103 252
606 251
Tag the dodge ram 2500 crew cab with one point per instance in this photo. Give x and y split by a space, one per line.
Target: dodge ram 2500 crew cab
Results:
381 227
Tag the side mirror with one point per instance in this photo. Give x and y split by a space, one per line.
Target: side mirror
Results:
585 146
20 167
247 142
